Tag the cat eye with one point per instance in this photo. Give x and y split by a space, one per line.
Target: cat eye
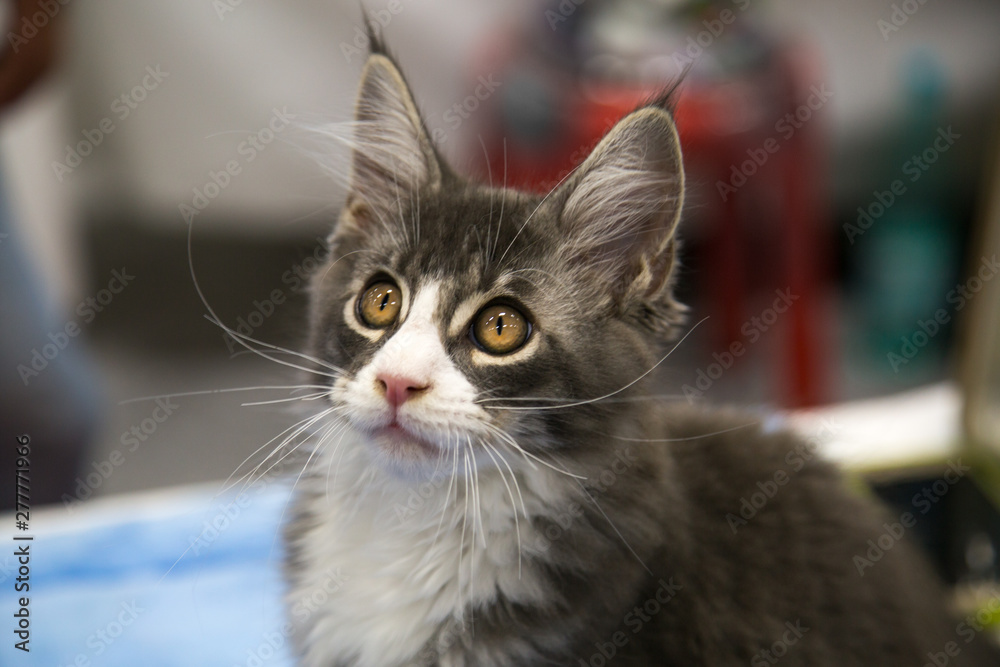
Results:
500 329
379 304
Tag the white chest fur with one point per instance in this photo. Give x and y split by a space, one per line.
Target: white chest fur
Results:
411 558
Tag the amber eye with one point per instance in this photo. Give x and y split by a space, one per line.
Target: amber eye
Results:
379 304
500 329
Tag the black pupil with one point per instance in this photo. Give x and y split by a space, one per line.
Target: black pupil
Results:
500 326
385 301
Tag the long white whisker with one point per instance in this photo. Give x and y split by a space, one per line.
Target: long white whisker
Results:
206 392
513 477
616 391
692 437
238 337
342 428
298 428
242 338
615 528
532 214
465 519
504 437
307 397
513 505
256 451
489 220
557 399
291 494
475 486
503 200
447 495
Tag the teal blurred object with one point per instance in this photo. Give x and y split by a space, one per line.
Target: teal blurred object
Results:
909 255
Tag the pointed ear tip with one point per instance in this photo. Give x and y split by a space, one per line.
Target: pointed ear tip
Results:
656 114
378 59
654 121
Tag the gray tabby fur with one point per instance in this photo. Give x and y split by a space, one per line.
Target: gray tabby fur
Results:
592 264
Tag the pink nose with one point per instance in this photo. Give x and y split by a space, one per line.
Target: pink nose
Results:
397 389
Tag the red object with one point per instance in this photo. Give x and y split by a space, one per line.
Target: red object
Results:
718 124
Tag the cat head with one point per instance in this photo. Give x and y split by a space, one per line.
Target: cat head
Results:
465 316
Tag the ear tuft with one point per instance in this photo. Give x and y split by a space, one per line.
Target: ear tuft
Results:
621 208
392 153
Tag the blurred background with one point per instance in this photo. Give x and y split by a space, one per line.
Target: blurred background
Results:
840 231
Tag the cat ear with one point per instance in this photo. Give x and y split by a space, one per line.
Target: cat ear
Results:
620 209
392 156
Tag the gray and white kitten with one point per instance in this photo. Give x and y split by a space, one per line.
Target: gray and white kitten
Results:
494 484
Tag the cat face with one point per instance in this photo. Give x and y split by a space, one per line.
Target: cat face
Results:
467 318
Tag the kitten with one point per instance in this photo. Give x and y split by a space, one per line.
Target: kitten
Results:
497 486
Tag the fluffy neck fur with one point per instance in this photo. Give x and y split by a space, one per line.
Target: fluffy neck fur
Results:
436 570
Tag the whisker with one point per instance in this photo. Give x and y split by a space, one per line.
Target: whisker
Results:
503 200
616 391
465 518
615 528
691 437
307 397
513 477
346 254
447 495
504 437
291 495
513 505
255 452
343 434
489 173
556 399
475 486
532 214
342 428
238 337
242 338
299 427
206 392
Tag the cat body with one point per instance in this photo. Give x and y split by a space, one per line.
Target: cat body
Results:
495 483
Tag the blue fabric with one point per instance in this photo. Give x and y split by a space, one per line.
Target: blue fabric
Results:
119 592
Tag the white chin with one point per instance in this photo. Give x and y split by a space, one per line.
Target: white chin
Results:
404 453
